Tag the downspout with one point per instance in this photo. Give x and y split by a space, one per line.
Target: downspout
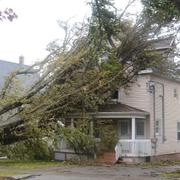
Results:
154 117
163 110
163 116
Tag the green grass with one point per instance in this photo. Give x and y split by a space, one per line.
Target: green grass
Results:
14 167
175 174
8 173
12 164
158 164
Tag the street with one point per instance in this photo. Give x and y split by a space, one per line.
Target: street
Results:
114 172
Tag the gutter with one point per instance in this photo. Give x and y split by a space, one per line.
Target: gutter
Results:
114 114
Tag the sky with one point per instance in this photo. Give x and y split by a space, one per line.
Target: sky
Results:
36 26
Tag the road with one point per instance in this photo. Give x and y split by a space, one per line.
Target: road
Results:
114 172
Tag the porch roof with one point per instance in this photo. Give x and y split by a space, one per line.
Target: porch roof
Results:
115 110
118 107
118 110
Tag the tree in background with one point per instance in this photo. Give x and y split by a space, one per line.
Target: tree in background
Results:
8 14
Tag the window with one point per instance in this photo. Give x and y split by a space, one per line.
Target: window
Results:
125 129
157 127
140 131
175 93
115 95
178 130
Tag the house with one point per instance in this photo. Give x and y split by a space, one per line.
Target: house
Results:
7 67
26 80
146 116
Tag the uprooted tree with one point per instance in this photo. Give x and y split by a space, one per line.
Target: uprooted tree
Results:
95 58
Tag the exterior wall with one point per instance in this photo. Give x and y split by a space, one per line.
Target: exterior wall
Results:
172 115
138 96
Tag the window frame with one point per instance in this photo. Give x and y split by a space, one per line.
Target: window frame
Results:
175 93
178 131
158 133
140 136
128 135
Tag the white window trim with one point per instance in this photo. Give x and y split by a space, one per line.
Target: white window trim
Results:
178 130
141 136
159 127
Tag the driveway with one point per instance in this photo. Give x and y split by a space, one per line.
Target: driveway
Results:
114 172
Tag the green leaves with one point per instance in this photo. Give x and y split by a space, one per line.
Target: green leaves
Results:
162 11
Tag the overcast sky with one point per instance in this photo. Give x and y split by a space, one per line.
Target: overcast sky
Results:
36 26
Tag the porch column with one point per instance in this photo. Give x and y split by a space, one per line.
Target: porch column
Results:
133 130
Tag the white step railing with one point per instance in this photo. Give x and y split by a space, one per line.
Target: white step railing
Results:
133 148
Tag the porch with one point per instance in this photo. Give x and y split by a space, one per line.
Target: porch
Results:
133 148
133 129
131 125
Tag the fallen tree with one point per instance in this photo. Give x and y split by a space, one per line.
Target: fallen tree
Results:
78 76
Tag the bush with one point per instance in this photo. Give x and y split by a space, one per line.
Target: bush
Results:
31 149
79 141
108 136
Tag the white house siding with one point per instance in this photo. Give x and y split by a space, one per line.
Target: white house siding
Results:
137 96
172 115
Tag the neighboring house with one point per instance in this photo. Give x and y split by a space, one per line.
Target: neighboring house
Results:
6 68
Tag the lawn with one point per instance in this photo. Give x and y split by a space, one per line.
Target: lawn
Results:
12 164
12 167
174 174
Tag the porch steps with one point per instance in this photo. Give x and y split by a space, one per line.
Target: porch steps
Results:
107 157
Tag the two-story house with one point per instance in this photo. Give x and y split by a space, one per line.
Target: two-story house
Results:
147 118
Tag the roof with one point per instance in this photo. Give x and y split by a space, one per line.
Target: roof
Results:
115 111
118 110
163 43
157 74
7 67
118 107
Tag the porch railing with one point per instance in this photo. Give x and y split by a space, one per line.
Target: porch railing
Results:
133 148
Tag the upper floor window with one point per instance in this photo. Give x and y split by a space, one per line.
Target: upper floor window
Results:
178 130
115 95
175 93
157 127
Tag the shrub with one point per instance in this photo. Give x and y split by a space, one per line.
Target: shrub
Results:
79 141
108 136
31 149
